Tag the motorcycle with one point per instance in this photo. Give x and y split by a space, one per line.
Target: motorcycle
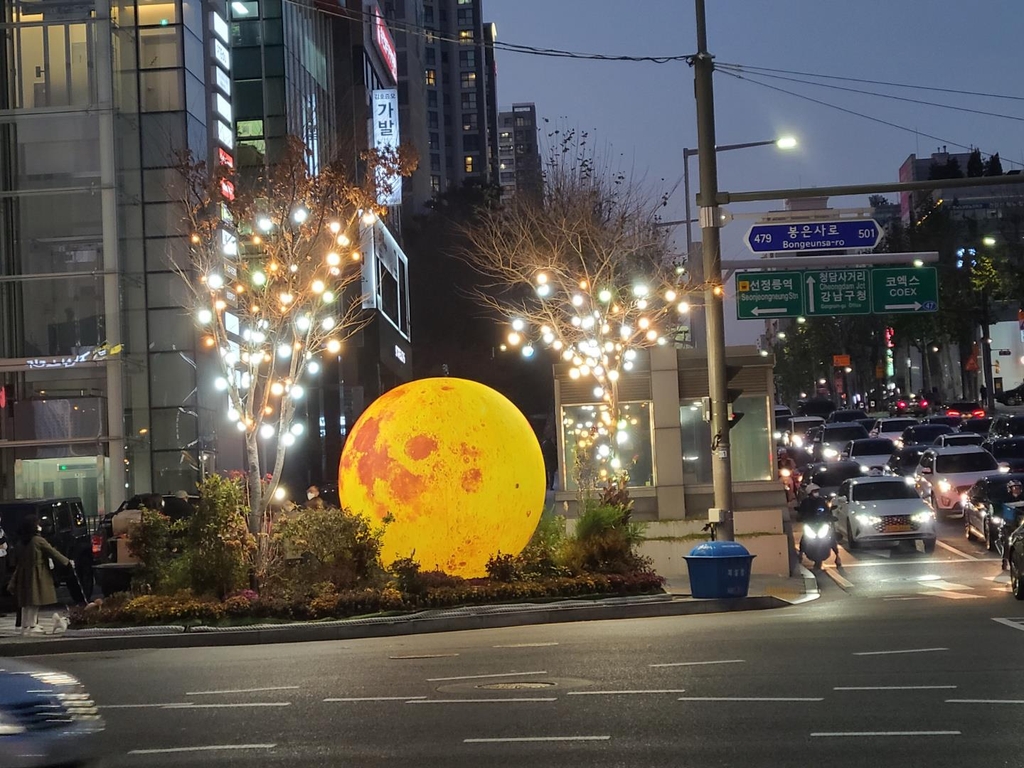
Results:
818 539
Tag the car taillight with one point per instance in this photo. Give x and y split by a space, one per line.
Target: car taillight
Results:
924 403
901 404
979 414
951 412
97 544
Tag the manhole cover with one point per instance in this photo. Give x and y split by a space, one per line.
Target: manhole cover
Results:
513 686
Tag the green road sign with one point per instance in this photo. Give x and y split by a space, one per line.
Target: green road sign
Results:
837 292
904 289
764 295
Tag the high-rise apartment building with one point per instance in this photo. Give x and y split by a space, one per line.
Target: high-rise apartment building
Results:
458 73
519 162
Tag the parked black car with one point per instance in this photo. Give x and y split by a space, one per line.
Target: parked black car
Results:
1009 451
845 415
64 526
1011 397
986 513
953 422
1007 426
828 476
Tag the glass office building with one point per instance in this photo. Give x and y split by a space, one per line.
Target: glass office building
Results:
98 355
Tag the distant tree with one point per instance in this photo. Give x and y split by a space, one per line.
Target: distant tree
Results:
994 166
947 170
878 201
975 165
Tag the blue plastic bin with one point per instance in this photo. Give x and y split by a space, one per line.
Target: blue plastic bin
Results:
719 569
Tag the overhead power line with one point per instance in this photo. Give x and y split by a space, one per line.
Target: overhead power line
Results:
906 99
762 70
805 97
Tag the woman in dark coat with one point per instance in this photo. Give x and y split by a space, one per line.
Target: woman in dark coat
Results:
32 583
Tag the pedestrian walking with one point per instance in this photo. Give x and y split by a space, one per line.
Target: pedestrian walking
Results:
32 583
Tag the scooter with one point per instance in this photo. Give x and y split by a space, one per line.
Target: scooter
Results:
819 539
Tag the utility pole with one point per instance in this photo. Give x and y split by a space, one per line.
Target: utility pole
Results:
714 314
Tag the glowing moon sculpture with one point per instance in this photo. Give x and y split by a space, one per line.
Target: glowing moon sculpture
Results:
455 464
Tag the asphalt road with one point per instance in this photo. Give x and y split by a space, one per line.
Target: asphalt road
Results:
916 660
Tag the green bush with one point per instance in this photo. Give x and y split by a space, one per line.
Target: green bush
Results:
506 568
330 545
218 547
605 541
543 555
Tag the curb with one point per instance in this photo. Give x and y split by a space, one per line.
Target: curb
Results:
400 626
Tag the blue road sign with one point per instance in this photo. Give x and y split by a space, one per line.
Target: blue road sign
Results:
791 236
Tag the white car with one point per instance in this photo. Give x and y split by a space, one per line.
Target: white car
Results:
891 428
869 452
959 438
832 438
880 509
943 474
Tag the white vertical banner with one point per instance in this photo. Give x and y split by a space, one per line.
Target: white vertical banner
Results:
385 136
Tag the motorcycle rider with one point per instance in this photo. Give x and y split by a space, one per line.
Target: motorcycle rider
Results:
814 507
1012 507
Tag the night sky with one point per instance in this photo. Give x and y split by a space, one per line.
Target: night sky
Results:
642 114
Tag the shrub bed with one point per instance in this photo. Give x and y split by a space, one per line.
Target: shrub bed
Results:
186 608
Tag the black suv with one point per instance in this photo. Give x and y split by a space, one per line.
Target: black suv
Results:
1006 426
64 526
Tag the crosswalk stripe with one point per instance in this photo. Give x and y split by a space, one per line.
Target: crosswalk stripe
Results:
955 595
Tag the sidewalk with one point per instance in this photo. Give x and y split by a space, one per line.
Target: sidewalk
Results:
765 592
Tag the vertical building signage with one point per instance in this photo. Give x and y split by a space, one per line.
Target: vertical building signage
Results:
385 43
385 137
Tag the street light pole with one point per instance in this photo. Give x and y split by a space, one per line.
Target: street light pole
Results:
710 221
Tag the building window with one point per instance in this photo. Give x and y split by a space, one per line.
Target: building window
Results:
468 100
471 142
250 129
506 136
435 163
465 17
465 2
430 56
750 461
465 35
435 183
467 59
634 446
470 121
432 119
508 177
431 77
521 122
432 99
435 142
428 14
429 37
468 164
245 10
468 79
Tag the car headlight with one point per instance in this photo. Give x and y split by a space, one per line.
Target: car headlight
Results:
797 441
996 520
777 435
923 517
9 726
869 519
945 486
830 453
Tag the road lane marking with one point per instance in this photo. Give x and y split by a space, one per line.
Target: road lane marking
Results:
838 578
244 690
894 688
749 698
425 656
1013 623
955 551
985 701
906 650
482 677
697 663
943 584
525 645
374 698
955 595
828 734
210 748
623 693
194 706
514 700
905 597
521 739
893 563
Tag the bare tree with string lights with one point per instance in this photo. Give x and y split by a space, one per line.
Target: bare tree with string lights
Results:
274 268
587 273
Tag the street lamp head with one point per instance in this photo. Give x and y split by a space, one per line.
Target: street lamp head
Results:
988 240
786 142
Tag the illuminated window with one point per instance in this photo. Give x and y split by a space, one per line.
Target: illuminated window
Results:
469 164
250 129
465 35
431 77
468 79
591 456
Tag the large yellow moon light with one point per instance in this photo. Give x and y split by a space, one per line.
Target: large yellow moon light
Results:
455 464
